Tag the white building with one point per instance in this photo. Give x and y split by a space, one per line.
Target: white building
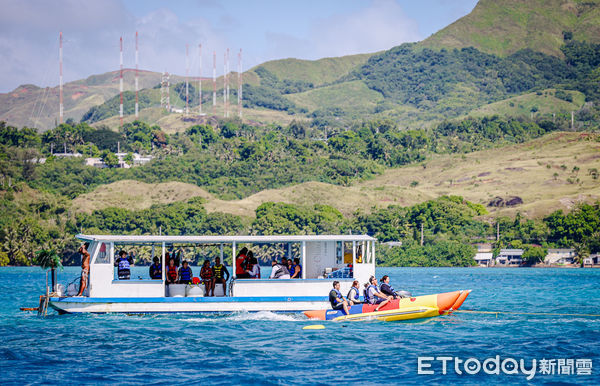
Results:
560 256
138 160
510 257
484 256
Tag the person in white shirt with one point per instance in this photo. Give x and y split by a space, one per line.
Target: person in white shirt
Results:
279 271
255 271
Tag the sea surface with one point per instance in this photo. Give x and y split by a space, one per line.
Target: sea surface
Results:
269 348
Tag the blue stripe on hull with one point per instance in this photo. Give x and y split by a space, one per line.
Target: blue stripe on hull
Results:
194 299
332 314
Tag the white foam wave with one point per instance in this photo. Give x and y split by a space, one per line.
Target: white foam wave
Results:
266 315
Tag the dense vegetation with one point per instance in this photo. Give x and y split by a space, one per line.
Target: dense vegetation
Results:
453 81
234 160
110 108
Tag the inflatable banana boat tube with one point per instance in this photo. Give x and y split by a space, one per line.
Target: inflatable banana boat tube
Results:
418 307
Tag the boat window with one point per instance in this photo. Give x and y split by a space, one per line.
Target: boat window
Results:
103 254
339 252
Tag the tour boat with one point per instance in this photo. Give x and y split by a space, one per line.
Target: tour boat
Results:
323 258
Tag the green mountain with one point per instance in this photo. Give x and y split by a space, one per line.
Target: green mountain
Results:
503 49
503 27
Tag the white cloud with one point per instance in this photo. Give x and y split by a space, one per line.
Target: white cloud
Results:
29 38
381 25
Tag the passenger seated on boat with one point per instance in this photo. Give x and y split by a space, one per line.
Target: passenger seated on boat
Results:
241 261
206 274
296 271
123 262
374 296
172 272
354 293
387 289
254 271
185 273
279 271
290 267
336 299
156 269
219 272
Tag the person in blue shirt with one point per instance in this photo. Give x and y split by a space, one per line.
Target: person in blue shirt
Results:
123 264
185 273
156 269
336 298
354 293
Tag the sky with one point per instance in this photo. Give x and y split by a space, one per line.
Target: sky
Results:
263 29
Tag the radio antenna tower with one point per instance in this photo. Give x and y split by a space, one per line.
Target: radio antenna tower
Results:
239 93
60 87
121 82
165 101
187 71
225 85
227 78
136 76
214 82
200 80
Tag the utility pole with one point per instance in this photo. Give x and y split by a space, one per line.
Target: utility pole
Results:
421 234
497 231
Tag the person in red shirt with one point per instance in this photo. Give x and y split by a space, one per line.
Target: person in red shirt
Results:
241 262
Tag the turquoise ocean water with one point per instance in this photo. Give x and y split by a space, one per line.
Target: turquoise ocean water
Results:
268 348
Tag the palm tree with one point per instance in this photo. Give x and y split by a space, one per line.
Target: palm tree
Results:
48 258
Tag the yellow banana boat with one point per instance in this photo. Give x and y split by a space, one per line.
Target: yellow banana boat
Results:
418 307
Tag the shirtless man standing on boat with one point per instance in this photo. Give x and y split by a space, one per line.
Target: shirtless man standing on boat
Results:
85 268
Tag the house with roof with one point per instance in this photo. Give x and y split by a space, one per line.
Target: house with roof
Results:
484 256
510 257
592 261
560 256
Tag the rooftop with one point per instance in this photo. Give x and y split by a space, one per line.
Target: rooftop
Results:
148 239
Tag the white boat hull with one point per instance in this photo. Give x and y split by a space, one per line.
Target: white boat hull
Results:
184 305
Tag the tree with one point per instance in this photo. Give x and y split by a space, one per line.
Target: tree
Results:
129 159
110 159
534 254
48 258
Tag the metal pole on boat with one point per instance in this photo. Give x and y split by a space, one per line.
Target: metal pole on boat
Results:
353 252
290 251
162 261
373 252
303 255
233 259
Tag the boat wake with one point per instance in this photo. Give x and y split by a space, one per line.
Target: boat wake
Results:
248 316
266 315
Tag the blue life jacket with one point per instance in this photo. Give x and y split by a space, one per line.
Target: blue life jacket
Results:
185 274
367 297
123 264
356 296
156 271
339 295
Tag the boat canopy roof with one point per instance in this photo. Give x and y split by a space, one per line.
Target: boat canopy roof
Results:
149 239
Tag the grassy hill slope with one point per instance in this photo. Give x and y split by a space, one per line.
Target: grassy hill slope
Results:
540 103
541 172
502 27
318 72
